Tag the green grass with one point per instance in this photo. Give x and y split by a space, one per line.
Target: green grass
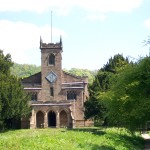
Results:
75 139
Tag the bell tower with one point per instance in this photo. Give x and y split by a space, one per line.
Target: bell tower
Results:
51 70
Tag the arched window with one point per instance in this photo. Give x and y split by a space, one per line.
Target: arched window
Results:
71 95
52 59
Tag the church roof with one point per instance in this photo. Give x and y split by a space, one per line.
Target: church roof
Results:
34 80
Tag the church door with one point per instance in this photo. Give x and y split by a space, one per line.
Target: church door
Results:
51 119
39 120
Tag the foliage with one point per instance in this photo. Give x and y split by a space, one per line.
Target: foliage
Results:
83 72
128 99
94 110
115 64
24 70
13 101
147 42
5 63
94 107
76 139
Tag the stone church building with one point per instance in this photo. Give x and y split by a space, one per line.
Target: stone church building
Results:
57 97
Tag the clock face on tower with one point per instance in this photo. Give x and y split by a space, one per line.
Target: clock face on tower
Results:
51 77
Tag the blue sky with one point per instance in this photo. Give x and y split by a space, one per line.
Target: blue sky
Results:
92 30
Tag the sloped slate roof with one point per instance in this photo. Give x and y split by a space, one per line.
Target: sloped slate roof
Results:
36 78
33 79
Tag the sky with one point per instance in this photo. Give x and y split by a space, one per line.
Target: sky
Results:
92 31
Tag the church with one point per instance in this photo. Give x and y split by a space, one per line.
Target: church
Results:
57 97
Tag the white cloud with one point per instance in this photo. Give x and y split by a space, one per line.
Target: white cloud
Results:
21 39
147 23
38 6
109 5
64 6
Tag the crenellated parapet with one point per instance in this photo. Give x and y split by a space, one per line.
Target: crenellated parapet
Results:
57 45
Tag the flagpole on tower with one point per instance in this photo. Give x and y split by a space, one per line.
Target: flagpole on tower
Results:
51 26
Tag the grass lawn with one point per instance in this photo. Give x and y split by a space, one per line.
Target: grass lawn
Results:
75 139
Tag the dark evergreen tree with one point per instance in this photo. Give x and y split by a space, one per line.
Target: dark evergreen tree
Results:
94 107
13 100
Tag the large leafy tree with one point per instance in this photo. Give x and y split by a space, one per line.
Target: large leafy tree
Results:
94 107
128 100
13 100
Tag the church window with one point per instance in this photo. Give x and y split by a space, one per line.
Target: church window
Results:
34 96
71 95
52 59
51 91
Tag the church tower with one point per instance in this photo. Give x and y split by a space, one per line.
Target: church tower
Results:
57 97
51 69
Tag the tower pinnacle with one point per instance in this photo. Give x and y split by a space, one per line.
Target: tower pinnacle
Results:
60 41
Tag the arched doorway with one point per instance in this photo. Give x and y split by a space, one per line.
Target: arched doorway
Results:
63 119
51 119
39 119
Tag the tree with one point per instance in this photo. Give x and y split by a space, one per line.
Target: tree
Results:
5 63
13 100
116 64
24 70
128 100
82 72
94 107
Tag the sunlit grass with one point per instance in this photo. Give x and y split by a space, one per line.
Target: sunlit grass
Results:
75 139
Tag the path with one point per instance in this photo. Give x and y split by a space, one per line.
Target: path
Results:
147 141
